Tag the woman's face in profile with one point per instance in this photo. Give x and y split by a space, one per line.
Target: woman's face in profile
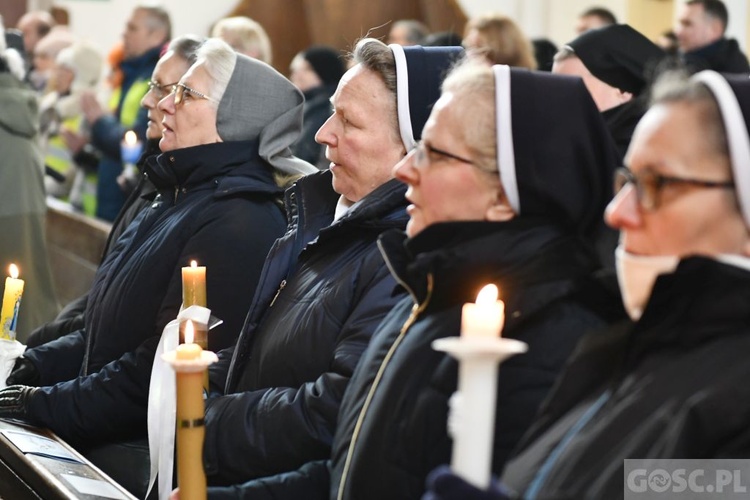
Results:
678 218
444 183
189 112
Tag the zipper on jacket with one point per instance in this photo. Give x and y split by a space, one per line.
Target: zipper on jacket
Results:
416 310
176 190
281 287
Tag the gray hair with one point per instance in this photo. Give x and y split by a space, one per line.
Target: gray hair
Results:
565 53
375 56
675 87
157 18
186 47
473 87
244 35
219 60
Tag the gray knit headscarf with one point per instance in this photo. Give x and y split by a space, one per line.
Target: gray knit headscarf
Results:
259 102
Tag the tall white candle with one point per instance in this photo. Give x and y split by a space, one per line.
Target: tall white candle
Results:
479 349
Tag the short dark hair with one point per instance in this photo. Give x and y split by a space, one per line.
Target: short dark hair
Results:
605 15
715 9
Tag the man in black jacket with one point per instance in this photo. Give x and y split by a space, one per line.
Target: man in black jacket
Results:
700 30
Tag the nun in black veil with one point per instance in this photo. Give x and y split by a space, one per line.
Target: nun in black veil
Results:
673 383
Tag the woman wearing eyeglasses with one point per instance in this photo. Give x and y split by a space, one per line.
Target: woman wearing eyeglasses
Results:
514 202
673 384
228 125
179 56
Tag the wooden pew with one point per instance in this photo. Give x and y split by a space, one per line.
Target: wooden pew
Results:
75 244
34 464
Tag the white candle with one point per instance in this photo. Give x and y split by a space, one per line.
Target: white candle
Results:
486 317
479 349
11 304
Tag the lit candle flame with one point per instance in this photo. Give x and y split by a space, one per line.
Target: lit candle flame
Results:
193 263
130 138
487 295
189 332
13 270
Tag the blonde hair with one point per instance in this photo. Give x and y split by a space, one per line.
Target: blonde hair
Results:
245 36
503 41
473 87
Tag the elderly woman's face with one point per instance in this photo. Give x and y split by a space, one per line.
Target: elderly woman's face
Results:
444 184
686 219
192 121
359 137
167 72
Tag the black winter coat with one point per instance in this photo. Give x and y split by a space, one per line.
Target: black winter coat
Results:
71 318
217 204
551 299
324 290
673 385
724 56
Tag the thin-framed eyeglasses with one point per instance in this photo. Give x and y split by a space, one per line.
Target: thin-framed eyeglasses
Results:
423 151
161 91
181 90
649 184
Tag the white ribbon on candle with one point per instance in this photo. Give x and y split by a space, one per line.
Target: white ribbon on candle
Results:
9 351
162 404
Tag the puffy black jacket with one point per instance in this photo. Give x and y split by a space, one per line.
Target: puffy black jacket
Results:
724 56
324 290
673 385
551 299
71 318
217 204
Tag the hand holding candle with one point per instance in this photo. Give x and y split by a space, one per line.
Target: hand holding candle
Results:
11 304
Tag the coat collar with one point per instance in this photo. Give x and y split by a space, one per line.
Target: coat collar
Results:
230 164
464 256
311 203
702 300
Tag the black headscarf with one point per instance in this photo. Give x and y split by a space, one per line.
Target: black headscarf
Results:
562 160
419 73
326 62
619 56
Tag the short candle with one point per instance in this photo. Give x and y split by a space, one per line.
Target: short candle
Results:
188 351
194 285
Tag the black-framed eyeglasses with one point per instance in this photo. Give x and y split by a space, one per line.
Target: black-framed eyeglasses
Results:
161 91
649 184
181 90
423 151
